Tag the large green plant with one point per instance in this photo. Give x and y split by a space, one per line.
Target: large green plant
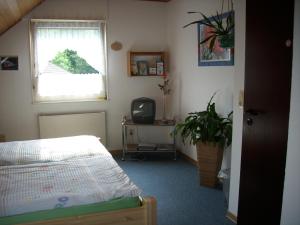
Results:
206 126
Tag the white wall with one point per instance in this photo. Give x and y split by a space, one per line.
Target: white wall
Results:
142 26
194 85
291 195
138 25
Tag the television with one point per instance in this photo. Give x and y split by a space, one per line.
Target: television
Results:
143 110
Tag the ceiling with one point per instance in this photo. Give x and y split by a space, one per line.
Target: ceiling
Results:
12 11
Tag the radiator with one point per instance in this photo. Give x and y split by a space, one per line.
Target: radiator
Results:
63 125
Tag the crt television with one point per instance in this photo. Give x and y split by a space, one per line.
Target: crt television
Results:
143 110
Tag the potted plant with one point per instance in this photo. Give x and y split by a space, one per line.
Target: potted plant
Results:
211 133
221 31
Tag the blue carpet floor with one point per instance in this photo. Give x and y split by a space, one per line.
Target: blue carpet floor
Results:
175 184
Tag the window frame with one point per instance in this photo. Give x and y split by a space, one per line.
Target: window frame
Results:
33 72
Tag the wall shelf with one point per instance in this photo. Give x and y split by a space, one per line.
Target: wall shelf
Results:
146 63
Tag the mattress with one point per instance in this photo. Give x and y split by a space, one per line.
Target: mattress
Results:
49 150
85 179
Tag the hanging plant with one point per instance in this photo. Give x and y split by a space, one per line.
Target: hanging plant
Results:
222 27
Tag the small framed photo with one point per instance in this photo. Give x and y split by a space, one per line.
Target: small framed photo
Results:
152 71
134 69
160 68
9 63
142 68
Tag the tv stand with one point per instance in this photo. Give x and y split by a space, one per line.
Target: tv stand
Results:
147 147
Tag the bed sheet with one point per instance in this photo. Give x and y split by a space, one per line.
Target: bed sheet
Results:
49 150
49 185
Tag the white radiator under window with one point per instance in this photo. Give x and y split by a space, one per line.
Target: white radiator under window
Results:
64 125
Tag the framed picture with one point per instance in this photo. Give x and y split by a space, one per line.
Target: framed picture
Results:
134 69
152 71
142 68
219 56
9 63
160 68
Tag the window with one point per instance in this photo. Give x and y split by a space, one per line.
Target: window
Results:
68 60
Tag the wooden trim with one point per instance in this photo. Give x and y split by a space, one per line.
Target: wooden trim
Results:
2 138
231 216
143 215
187 158
150 206
116 152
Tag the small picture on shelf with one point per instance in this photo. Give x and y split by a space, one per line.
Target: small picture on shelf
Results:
160 68
142 68
152 71
134 69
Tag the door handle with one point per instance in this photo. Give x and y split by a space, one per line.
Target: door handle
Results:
249 121
251 113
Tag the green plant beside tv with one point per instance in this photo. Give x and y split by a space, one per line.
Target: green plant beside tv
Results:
211 133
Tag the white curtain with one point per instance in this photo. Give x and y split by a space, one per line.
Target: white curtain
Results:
54 83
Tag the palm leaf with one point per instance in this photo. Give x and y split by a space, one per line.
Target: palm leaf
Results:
206 39
212 43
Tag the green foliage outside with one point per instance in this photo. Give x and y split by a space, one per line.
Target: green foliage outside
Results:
70 61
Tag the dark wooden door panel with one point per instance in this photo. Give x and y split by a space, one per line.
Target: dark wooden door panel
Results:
269 24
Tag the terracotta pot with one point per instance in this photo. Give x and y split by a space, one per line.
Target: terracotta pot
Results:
209 157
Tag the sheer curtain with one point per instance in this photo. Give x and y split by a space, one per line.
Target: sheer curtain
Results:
58 82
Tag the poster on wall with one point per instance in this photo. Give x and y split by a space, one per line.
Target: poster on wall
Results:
9 63
217 54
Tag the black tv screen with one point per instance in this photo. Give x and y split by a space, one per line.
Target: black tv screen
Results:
143 110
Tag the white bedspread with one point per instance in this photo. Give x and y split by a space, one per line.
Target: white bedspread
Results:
48 150
83 176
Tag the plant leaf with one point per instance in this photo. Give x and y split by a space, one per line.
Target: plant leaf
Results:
206 39
212 43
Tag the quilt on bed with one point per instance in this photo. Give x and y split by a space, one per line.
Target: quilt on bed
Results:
48 150
33 187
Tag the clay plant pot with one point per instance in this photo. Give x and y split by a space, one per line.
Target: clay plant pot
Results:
209 157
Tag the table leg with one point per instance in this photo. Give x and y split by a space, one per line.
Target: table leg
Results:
123 142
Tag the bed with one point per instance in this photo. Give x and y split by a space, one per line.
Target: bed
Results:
71 180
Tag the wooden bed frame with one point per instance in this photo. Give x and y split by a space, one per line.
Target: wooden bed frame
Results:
143 215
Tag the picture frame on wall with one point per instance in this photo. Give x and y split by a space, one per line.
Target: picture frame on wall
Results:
9 63
219 56
142 68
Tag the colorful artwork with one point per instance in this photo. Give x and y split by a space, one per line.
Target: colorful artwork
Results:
9 63
142 68
219 56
